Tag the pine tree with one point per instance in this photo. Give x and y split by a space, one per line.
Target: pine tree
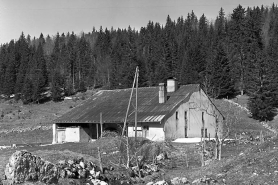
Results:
237 39
56 90
27 92
3 66
10 73
261 72
40 74
72 56
263 99
221 75
23 59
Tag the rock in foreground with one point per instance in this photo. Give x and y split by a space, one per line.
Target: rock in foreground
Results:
23 166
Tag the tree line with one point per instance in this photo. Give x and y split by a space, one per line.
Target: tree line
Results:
234 54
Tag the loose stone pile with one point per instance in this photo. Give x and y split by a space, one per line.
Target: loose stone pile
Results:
23 166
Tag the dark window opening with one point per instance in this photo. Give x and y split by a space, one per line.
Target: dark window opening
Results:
145 131
177 115
204 132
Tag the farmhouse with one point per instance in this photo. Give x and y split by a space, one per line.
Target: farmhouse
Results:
165 112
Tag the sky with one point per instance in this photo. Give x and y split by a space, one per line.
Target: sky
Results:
51 16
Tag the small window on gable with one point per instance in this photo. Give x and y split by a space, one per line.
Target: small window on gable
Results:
185 115
177 115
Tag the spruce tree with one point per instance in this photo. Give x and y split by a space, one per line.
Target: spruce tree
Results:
221 75
23 59
27 91
10 73
56 90
237 40
39 74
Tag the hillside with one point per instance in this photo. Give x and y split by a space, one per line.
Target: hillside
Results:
31 123
242 163
256 164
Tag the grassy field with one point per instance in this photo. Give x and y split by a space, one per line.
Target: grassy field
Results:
244 122
179 154
18 117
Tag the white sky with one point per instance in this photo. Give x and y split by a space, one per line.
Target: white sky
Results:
51 16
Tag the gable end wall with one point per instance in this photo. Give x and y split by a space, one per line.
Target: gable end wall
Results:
198 103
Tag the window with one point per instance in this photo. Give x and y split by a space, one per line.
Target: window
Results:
185 131
138 128
185 115
145 131
177 115
204 132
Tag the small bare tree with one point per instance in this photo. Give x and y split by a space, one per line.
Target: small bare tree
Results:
223 129
212 90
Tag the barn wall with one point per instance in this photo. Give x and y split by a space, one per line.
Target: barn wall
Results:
175 125
85 133
154 132
72 134
79 132
198 103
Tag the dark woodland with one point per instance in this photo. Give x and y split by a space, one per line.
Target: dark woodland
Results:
234 54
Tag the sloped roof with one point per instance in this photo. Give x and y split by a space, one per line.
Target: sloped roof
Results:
113 106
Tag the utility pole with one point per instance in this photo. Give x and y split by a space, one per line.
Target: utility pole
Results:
136 102
101 124
123 131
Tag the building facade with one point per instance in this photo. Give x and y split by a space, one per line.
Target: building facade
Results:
165 112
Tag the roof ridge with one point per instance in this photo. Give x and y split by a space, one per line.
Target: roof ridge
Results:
128 88
143 87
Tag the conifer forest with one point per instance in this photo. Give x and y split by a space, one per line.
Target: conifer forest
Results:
235 54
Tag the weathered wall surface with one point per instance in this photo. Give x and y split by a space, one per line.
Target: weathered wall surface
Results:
155 131
73 134
175 127
85 133
191 116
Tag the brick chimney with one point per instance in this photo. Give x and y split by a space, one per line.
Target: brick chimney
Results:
172 85
162 93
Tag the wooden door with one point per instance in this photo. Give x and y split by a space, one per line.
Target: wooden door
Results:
61 136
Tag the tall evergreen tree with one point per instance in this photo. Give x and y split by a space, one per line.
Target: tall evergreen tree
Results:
27 92
40 74
237 39
10 73
23 59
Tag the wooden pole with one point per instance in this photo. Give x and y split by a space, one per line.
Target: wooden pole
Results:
123 132
101 124
100 160
97 130
136 101
186 160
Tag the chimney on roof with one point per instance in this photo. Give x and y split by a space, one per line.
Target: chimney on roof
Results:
162 93
172 85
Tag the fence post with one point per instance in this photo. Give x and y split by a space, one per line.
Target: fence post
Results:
99 158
